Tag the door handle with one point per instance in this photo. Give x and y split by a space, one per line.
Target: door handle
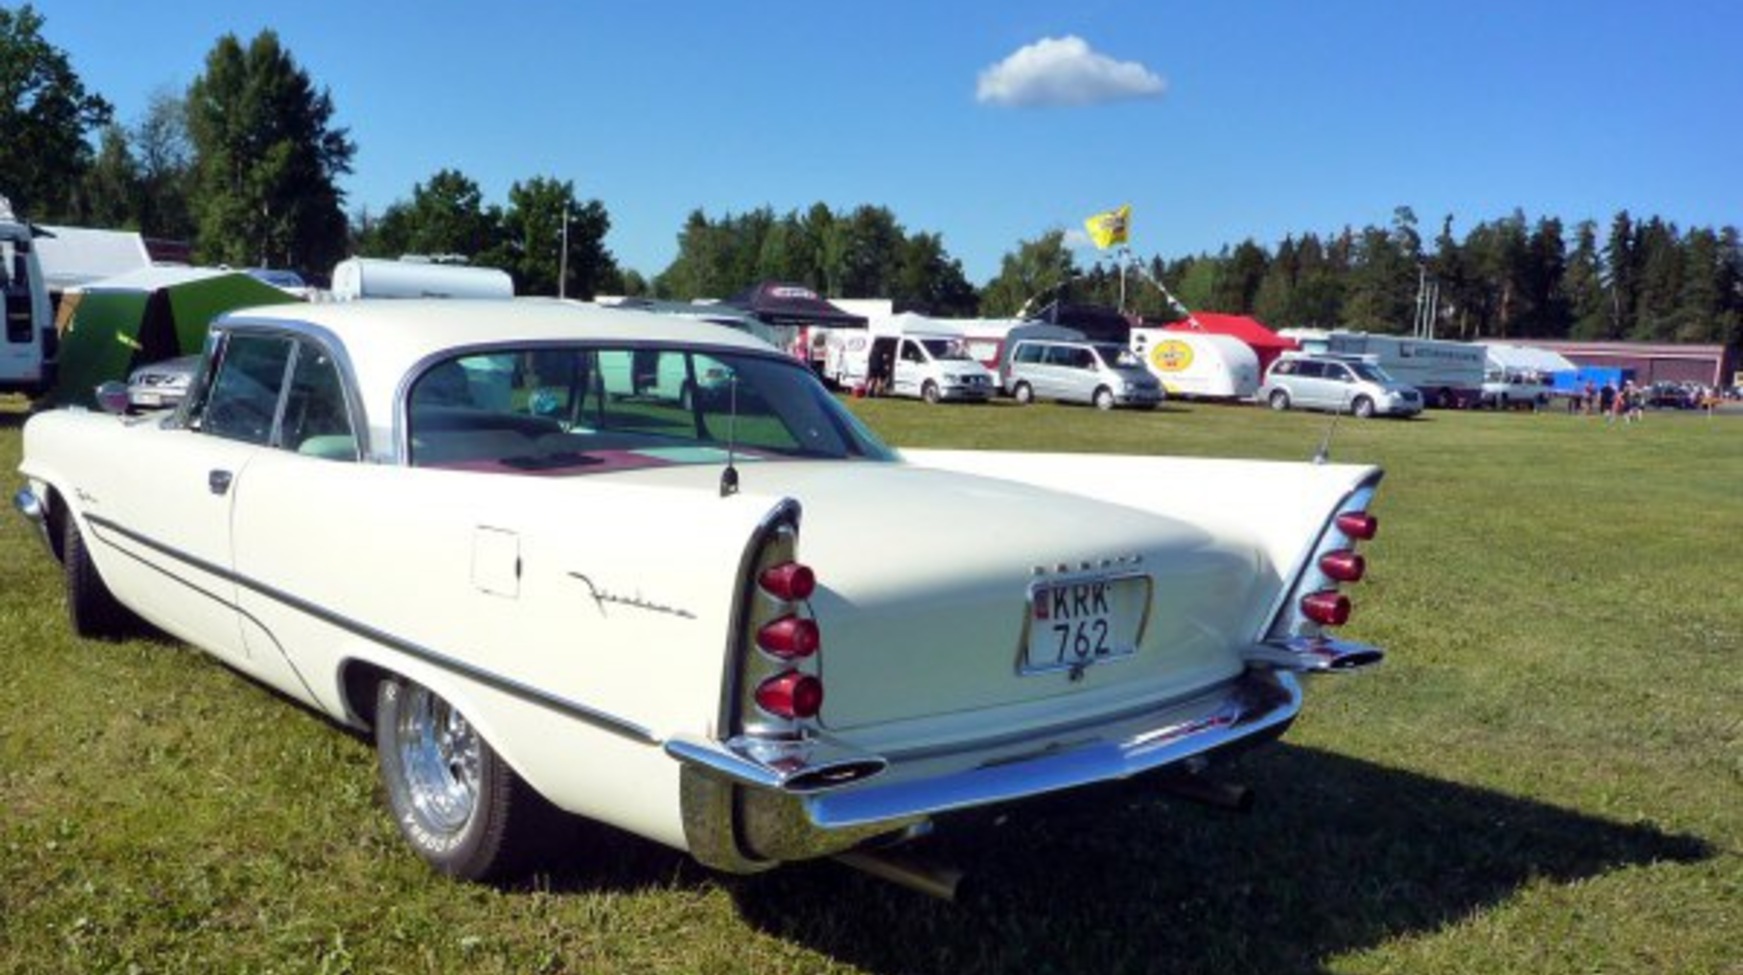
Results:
219 481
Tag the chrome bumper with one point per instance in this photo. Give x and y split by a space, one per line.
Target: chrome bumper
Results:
33 508
745 812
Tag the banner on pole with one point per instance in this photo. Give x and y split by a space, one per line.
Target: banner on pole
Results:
1110 228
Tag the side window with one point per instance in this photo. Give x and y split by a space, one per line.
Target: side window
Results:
1028 352
1059 355
911 352
244 399
1338 373
316 420
1284 367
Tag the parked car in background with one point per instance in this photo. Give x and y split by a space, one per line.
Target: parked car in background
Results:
161 385
1329 382
735 624
1672 396
1103 373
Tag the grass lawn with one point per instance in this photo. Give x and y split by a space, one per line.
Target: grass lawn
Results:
1545 776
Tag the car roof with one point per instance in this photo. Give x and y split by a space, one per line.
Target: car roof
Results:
392 335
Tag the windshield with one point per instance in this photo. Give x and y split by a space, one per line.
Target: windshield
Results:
1118 357
1371 373
579 409
945 348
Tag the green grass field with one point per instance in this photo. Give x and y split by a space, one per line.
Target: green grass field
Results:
1545 776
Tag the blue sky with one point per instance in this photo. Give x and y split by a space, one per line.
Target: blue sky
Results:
994 122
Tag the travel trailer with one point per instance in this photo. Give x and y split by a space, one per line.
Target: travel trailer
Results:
371 277
1198 365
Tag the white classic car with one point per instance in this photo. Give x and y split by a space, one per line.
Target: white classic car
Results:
728 623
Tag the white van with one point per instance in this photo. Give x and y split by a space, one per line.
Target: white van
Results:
1105 374
934 368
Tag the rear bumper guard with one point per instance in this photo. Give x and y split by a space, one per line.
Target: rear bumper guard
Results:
744 813
1313 655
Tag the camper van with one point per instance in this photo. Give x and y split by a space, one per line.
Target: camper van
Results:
1198 365
27 353
370 277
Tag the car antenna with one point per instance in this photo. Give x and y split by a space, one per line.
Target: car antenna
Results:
1323 454
729 476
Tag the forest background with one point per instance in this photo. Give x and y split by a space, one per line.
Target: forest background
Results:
245 164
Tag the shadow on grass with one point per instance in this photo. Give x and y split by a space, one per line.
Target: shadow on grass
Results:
1339 854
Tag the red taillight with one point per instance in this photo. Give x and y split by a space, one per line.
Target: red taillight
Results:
1343 565
1326 608
791 695
791 581
1358 524
790 637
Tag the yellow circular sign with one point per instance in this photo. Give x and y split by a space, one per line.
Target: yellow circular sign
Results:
1171 355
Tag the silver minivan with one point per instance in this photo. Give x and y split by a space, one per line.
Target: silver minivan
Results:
1102 373
1325 382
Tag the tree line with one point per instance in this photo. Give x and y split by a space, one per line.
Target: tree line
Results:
245 165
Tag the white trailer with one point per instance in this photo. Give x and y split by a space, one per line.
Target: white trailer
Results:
371 277
1198 365
28 345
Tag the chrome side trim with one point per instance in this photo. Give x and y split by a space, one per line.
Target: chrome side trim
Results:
1313 655
435 658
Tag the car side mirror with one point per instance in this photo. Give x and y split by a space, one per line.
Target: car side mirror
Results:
112 397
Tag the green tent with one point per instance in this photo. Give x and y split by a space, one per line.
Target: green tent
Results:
110 327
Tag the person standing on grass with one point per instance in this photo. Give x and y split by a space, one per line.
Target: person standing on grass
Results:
1607 402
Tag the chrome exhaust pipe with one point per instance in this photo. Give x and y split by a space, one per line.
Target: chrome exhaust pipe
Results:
1313 655
914 873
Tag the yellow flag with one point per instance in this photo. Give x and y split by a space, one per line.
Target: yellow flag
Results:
1110 228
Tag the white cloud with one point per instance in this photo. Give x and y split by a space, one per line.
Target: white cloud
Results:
1064 71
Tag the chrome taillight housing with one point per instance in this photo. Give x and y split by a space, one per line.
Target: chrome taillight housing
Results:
1315 601
778 671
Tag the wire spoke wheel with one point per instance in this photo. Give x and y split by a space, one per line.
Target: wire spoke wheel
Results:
440 755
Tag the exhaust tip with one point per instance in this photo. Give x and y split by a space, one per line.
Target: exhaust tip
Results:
915 873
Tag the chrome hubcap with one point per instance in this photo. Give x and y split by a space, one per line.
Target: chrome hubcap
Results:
439 752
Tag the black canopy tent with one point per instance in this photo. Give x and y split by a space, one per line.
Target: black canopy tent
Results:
1097 322
775 303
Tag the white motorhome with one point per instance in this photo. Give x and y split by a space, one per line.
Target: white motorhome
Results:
1199 365
28 347
372 277
1448 374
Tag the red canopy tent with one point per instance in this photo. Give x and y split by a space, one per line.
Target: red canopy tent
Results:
1268 345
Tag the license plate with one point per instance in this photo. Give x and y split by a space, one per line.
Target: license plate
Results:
1082 622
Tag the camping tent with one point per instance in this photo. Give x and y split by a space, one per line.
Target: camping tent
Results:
1268 345
109 327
